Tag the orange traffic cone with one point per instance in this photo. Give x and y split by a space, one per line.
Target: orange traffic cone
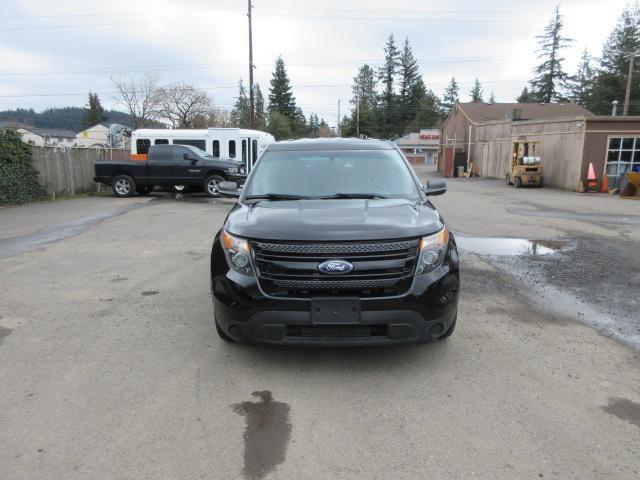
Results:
592 183
605 183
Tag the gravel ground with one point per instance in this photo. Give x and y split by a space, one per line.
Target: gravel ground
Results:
110 366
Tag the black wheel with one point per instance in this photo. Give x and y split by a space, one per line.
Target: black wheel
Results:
222 334
212 184
123 186
518 182
180 188
451 328
144 190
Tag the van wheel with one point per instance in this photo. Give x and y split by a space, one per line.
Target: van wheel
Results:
451 328
518 182
180 188
212 185
123 186
222 334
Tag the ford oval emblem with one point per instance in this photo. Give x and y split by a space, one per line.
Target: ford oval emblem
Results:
335 267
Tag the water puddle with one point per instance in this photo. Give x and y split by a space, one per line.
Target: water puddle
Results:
624 409
4 332
509 246
266 434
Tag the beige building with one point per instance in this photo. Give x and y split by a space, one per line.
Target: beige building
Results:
47 137
421 148
96 136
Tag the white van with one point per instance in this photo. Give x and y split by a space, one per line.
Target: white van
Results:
225 143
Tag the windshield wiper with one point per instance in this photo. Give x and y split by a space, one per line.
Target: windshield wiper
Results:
353 195
276 196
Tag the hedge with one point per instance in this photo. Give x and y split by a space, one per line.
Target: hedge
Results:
18 176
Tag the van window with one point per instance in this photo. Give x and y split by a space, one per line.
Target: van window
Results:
254 151
215 153
142 146
232 149
244 152
161 141
201 144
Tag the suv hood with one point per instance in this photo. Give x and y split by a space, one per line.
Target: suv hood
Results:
326 220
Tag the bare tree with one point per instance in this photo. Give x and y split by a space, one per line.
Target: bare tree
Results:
139 97
181 105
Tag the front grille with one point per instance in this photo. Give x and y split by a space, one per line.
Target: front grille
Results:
335 331
381 268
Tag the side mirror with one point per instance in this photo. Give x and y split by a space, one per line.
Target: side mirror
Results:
435 187
229 189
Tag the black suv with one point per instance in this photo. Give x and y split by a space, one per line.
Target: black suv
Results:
334 242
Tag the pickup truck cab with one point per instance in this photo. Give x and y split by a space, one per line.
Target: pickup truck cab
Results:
167 165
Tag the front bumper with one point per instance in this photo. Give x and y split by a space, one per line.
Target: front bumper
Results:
248 315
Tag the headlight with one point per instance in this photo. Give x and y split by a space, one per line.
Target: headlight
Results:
432 250
232 170
238 253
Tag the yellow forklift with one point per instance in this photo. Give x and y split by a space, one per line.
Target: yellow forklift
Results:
525 167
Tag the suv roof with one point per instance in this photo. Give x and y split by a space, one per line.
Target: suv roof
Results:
312 144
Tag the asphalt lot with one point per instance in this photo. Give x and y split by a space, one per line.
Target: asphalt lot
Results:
110 367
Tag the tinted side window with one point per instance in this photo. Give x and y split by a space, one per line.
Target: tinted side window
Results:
216 149
160 154
254 151
201 144
161 141
244 151
232 149
142 146
178 154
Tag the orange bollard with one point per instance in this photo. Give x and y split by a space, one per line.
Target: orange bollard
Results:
605 183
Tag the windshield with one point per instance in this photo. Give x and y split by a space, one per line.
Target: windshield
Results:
324 174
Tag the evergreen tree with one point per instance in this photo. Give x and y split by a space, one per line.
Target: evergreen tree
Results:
364 94
476 92
581 85
611 78
412 88
387 75
281 98
279 126
450 97
94 113
492 98
299 125
550 80
314 125
429 113
258 105
526 96
240 115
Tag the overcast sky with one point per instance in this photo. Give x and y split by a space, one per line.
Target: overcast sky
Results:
53 53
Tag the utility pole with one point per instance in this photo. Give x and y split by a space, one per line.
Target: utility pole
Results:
252 113
338 127
627 94
358 117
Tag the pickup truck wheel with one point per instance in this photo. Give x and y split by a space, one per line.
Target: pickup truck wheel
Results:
222 334
211 185
123 186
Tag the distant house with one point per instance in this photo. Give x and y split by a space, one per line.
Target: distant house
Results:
46 137
420 148
100 136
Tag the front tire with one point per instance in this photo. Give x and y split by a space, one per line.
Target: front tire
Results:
123 186
212 185
221 333
451 328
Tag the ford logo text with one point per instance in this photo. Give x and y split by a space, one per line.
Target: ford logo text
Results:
335 267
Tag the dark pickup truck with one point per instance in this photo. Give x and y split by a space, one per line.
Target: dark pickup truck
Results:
167 165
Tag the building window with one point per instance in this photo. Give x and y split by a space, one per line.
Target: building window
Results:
232 149
215 151
201 144
623 156
142 146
